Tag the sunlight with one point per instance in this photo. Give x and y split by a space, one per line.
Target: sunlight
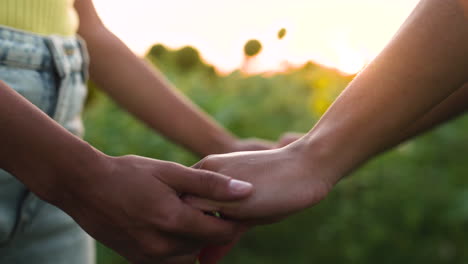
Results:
340 34
348 59
350 63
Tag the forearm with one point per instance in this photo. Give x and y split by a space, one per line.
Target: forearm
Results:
424 64
452 107
37 150
412 85
144 92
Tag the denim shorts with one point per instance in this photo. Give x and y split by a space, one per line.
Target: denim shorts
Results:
49 71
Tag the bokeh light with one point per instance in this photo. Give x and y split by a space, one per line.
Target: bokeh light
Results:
336 33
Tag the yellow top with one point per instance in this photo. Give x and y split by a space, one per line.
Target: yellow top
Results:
44 17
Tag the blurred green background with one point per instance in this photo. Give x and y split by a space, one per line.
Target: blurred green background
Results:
407 206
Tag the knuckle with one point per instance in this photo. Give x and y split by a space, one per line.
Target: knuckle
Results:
170 222
168 171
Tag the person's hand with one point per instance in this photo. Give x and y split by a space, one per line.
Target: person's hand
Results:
212 254
252 144
288 138
133 206
285 181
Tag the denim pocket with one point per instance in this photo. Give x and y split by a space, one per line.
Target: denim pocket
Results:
37 87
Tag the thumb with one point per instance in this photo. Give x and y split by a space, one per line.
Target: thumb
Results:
206 184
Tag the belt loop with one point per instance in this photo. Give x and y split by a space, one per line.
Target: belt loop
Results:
85 56
62 67
52 44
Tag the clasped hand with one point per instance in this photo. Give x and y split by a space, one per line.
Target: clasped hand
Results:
285 181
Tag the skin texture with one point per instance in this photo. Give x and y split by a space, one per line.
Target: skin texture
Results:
464 4
389 101
417 82
131 204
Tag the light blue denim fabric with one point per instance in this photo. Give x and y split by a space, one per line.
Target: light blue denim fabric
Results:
50 72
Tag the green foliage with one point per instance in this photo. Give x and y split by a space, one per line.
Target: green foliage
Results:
187 58
407 206
281 33
252 48
184 60
158 51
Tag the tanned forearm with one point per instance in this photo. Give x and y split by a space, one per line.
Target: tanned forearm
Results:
107 195
424 64
144 92
36 149
414 84
452 107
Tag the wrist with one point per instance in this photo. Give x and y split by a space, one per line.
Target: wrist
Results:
312 173
75 173
321 157
221 143
229 144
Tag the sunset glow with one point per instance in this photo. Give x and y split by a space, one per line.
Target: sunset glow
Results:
343 34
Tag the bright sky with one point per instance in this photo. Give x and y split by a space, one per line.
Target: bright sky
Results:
344 34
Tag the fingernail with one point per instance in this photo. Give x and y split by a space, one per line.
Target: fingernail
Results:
239 187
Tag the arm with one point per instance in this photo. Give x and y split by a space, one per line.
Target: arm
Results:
455 105
26 148
425 63
107 195
144 92
391 100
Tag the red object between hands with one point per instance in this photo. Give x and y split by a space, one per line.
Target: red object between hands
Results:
213 254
